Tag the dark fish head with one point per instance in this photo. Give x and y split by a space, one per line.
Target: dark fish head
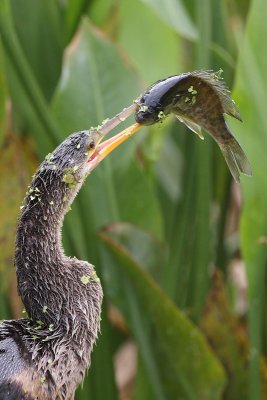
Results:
148 115
158 100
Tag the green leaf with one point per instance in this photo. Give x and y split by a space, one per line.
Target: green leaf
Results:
74 11
169 169
142 206
142 388
251 96
133 237
102 361
151 34
100 10
95 82
174 13
18 70
146 249
41 39
187 369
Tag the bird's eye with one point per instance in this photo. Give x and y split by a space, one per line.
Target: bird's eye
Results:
91 145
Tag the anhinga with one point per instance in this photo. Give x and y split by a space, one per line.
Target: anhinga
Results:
45 357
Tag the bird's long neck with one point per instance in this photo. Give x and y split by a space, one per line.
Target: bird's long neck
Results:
61 295
39 258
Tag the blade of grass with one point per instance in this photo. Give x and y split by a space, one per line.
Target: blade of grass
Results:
142 387
140 329
41 39
102 362
102 13
74 11
23 71
202 251
178 271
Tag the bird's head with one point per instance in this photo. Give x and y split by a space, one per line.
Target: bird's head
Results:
62 173
79 154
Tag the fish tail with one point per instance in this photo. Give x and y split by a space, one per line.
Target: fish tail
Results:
236 158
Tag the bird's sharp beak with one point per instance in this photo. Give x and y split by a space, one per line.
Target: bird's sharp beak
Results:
111 144
105 148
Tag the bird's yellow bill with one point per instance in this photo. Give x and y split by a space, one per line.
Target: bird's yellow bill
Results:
103 149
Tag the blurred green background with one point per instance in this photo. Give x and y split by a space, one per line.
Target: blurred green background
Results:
180 248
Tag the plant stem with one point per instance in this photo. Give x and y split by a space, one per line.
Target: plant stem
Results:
203 177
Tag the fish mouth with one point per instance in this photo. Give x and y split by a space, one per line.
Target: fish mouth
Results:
145 118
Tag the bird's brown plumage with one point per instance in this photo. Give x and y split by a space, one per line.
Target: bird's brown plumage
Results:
45 356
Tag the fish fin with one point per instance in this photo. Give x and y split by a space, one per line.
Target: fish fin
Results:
192 126
240 157
214 79
229 107
236 159
230 159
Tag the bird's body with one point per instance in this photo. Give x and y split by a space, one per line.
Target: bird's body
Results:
198 99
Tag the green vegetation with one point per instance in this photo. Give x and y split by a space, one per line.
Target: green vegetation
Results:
159 218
